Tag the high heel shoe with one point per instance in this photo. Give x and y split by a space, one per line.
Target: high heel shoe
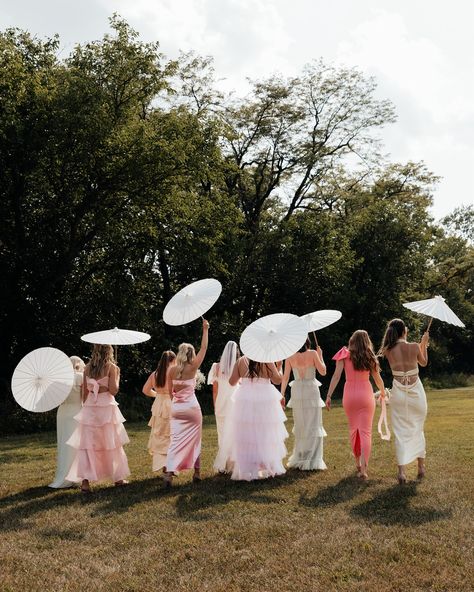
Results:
197 478
401 479
421 473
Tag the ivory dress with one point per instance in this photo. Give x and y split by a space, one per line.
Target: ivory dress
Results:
65 426
184 451
99 437
159 440
224 403
359 405
308 428
255 431
408 409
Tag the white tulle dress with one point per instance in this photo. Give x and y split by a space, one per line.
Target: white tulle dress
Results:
255 433
308 429
65 426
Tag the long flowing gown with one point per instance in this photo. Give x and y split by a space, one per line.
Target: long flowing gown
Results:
408 409
65 426
308 427
160 434
184 451
222 409
255 432
99 437
359 405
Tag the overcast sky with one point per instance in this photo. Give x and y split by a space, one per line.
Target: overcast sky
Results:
420 51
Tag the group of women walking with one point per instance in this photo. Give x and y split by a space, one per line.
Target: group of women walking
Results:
249 411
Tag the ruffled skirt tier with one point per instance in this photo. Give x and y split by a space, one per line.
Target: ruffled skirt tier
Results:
98 439
255 432
159 440
308 429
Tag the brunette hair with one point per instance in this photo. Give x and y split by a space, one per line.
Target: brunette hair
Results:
161 369
186 355
102 357
254 368
362 351
306 345
394 331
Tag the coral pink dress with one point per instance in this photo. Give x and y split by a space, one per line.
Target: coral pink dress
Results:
359 405
99 437
186 428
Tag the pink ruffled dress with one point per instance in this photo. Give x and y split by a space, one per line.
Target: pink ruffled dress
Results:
359 405
255 431
184 451
99 437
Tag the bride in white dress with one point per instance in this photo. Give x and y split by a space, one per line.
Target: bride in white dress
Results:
222 393
307 407
65 426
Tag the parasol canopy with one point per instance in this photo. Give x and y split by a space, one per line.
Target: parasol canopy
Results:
116 337
436 308
321 318
192 302
43 379
273 337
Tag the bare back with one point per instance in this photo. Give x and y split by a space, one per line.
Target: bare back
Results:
404 357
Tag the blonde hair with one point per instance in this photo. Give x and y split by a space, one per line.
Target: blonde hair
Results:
102 357
186 355
77 363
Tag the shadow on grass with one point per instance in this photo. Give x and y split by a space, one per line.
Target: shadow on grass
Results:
191 499
345 490
219 490
393 506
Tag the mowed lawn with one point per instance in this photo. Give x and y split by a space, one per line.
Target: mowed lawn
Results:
302 531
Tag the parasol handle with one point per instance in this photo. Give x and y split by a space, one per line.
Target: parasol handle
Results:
429 325
315 339
115 352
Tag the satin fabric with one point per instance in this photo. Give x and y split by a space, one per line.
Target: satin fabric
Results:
308 427
359 406
99 437
186 428
408 409
65 426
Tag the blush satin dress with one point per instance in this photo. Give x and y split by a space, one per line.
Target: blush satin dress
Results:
184 451
359 405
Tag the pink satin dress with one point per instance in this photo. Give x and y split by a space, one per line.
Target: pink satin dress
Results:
99 437
186 428
358 402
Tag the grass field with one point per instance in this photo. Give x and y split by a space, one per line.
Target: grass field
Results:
302 531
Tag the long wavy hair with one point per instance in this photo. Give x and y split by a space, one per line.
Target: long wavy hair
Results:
186 355
394 331
228 359
362 351
102 356
162 368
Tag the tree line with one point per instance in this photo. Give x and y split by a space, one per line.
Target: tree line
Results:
126 175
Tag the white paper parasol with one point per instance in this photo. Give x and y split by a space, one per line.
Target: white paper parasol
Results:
43 379
274 337
436 308
192 302
321 318
116 337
